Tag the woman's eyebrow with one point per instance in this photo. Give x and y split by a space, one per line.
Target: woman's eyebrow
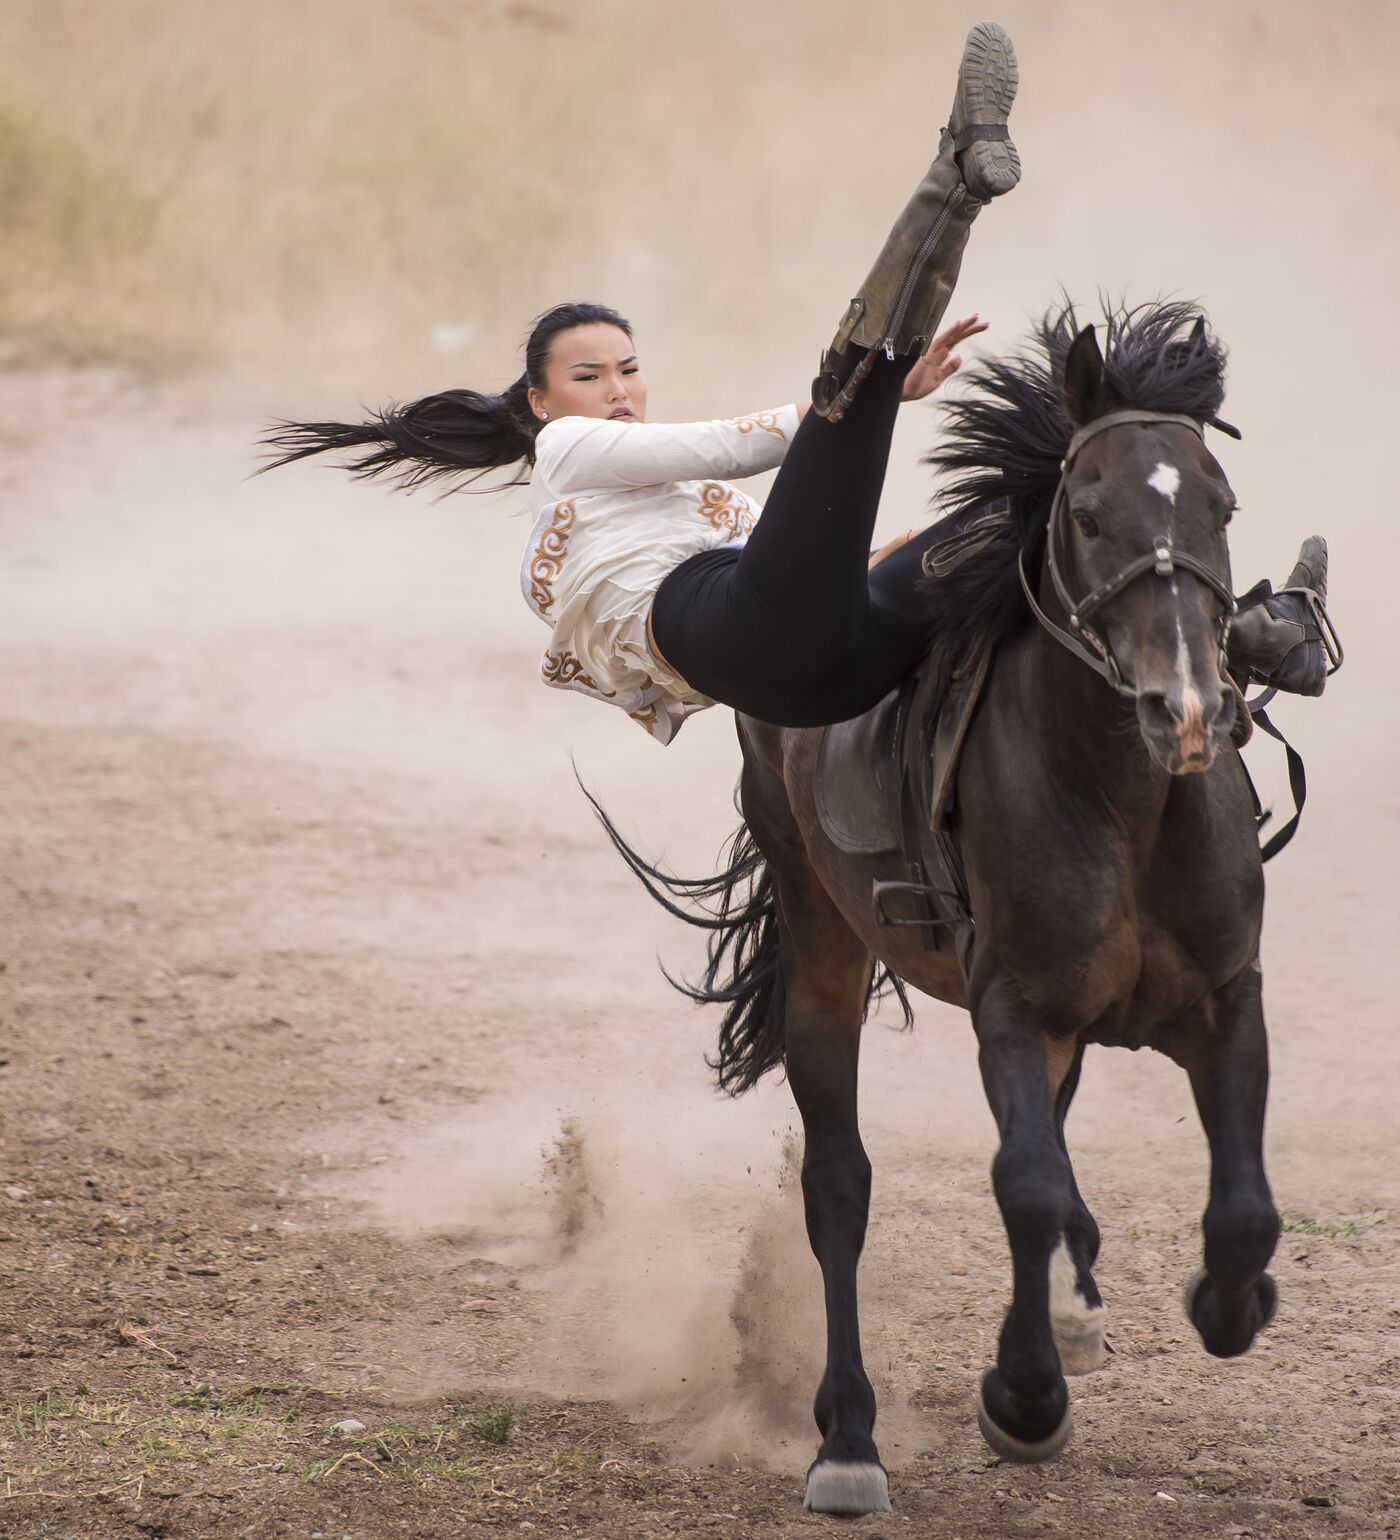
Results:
630 359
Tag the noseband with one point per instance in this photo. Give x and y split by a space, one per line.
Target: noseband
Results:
1081 638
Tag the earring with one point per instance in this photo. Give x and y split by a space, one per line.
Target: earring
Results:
544 416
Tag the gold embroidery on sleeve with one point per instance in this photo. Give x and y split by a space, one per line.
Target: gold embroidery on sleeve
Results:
564 669
726 508
768 421
548 560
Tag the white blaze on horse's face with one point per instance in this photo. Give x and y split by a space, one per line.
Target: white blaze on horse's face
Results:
1165 479
1193 733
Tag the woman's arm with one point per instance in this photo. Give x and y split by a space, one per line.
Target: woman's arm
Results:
588 454
594 454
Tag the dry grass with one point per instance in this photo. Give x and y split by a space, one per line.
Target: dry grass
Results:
81 1444
382 192
183 179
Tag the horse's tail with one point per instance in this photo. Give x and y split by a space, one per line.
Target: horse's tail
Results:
737 906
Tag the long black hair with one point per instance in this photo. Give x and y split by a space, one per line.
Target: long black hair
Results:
455 436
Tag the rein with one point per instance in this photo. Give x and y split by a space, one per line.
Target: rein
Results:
1082 639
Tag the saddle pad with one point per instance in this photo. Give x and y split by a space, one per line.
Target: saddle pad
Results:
860 765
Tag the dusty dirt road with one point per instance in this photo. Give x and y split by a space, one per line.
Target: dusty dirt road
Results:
340 1082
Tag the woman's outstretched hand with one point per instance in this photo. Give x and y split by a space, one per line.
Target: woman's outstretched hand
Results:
940 362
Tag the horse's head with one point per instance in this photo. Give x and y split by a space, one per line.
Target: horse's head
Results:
1140 560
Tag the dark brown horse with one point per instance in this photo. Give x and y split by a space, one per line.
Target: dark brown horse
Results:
1105 824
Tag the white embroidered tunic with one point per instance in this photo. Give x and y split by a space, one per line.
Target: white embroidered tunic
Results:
617 506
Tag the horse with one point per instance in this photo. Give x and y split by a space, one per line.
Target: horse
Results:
1107 830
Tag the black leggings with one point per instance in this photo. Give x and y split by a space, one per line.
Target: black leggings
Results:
793 628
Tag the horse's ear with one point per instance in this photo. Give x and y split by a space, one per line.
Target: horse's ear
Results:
1198 333
1086 391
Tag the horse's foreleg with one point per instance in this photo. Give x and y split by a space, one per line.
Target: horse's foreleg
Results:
1228 1063
828 971
1076 1306
1024 1409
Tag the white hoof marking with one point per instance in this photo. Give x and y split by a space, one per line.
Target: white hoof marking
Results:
833 1487
1077 1325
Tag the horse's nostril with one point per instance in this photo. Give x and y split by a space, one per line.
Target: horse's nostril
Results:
1159 709
1225 717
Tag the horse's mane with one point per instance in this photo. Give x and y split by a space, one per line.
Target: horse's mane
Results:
1007 436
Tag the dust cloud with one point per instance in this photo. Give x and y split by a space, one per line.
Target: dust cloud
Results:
297 210
663 1240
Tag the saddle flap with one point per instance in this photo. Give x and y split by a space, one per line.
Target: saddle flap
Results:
857 779
862 764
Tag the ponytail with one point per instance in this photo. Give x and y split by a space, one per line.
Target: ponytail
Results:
456 435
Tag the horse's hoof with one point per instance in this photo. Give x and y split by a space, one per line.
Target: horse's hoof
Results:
836 1487
1232 1343
1021 1451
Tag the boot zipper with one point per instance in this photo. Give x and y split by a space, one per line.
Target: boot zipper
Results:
906 288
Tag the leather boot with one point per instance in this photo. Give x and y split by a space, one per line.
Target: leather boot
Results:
1284 638
902 300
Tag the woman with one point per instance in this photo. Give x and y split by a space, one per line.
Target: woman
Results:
664 589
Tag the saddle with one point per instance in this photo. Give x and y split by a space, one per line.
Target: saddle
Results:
883 786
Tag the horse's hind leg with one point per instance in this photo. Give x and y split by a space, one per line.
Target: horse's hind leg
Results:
827 973
1076 1306
1024 1408
1228 1063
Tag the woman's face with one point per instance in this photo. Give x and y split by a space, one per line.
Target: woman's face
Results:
592 372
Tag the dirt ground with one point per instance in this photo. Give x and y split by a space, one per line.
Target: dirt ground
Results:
340 1081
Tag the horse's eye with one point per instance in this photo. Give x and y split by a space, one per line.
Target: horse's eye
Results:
1088 525
1229 514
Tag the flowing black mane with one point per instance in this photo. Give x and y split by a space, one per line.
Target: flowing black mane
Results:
1008 435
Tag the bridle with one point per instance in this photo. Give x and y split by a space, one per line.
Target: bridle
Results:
1082 639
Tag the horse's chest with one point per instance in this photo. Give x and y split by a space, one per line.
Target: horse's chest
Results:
1181 960
1114 960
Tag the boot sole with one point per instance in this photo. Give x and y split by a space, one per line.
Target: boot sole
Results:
987 85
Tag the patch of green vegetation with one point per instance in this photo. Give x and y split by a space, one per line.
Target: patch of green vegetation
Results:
55 1432
1142 1233
571 1459
242 1397
1335 1229
420 1455
86 1443
494 1424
